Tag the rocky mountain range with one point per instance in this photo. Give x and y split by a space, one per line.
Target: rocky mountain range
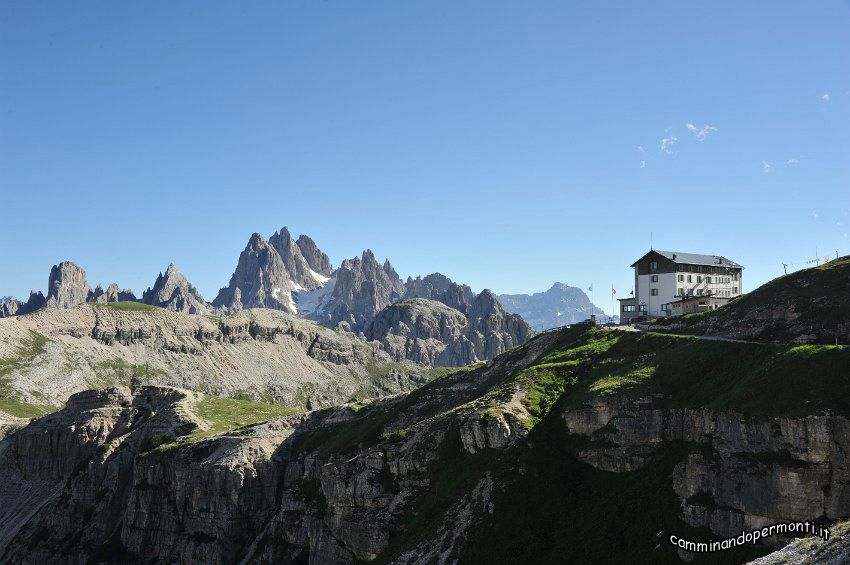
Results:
67 286
296 277
561 305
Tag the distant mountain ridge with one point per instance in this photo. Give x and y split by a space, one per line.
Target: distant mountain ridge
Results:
561 305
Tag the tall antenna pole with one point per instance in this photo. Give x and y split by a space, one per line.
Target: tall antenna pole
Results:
650 241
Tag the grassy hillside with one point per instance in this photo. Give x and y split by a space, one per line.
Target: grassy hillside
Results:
753 378
813 303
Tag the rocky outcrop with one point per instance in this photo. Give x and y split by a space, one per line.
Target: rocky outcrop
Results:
9 306
173 292
809 549
561 305
112 294
363 288
742 473
490 331
416 329
437 286
428 331
67 286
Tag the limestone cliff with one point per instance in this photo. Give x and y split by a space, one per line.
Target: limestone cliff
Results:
67 285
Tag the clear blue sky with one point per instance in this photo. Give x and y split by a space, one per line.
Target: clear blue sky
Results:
497 142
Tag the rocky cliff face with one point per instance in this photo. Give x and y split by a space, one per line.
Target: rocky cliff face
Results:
741 473
363 288
67 285
173 292
416 329
428 331
561 305
490 331
315 258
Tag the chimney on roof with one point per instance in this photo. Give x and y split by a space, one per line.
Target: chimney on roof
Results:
674 256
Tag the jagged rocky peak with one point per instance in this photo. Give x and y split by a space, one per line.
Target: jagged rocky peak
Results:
270 272
67 285
9 306
314 256
437 286
112 294
296 265
363 288
490 330
259 281
173 292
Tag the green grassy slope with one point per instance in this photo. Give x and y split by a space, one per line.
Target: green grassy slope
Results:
753 378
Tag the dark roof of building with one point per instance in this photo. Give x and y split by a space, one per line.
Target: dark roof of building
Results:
694 259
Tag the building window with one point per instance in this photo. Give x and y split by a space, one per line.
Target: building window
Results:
681 278
642 308
689 278
734 290
690 292
629 308
654 292
653 265
654 278
699 280
680 291
708 280
699 292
